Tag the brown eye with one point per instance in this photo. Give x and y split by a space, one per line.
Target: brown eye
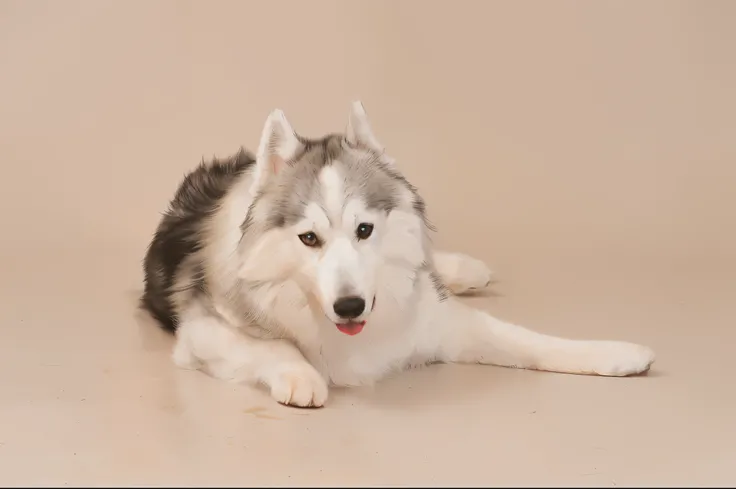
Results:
310 239
364 231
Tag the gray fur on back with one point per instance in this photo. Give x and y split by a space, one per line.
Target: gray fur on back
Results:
178 236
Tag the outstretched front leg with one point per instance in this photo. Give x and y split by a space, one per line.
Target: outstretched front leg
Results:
461 273
468 335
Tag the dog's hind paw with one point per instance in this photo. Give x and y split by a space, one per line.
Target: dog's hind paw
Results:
471 275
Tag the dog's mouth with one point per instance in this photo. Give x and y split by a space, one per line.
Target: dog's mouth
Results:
351 328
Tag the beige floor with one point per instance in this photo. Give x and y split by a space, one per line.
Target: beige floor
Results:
585 150
90 397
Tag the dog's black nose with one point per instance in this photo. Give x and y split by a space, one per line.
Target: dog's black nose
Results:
349 307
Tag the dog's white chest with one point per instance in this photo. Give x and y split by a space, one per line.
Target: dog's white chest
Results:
361 359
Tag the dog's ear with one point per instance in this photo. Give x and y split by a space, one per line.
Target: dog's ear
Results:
279 143
358 132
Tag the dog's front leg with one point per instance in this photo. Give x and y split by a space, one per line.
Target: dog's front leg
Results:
461 273
468 335
206 342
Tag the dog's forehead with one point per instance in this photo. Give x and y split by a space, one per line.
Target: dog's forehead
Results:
333 191
332 174
350 184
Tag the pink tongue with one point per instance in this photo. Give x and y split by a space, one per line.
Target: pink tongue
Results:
350 328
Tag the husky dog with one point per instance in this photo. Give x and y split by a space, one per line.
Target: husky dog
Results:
309 264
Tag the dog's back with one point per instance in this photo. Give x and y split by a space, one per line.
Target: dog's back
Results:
179 234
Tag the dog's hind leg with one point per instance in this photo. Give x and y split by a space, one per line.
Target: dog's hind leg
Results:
461 273
468 335
205 341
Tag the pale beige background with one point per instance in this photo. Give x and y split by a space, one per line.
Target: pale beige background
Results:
585 150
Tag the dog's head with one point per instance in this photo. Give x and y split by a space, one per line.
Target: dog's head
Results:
331 214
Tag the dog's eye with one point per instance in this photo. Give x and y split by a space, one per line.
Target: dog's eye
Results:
310 239
364 231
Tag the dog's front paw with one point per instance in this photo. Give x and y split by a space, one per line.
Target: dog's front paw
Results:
619 359
299 385
471 275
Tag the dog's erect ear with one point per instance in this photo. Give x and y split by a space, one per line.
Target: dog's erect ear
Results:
359 131
279 143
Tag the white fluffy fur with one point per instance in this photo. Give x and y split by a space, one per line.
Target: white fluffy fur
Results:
410 324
